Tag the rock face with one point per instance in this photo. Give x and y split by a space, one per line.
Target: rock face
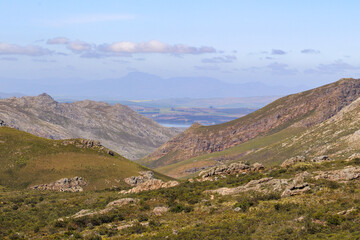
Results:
346 174
117 127
233 168
298 110
74 184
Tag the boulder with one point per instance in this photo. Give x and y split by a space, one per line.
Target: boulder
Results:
320 159
160 210
291 161
296 190
257 167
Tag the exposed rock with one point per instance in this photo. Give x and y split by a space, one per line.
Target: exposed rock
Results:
74 184
237 209
291 161
321 159
346 174
160 210
299 177
144 176
348 211
265 185
83 213
2 123
296 190
111 206
122 202
353 157
152 184
257 167
233 168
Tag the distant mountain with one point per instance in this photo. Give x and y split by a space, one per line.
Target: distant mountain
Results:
116 127
137 85
8 95
298 111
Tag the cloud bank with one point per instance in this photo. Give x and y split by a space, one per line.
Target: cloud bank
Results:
13 49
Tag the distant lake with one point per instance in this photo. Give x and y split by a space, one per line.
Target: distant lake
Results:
174 125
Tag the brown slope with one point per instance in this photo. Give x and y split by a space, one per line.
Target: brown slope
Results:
116 126
303 109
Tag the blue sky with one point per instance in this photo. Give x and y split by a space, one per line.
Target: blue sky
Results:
275 42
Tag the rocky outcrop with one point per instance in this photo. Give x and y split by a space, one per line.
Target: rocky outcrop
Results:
292 161
152 184
298 110
146 182
265 185
296 190
74 184
233 168
346 174
136 180
160 210
117 127
110 207
2 123
121 202
321 159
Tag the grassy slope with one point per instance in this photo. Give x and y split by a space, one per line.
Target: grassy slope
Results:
329 138
193 214
26 160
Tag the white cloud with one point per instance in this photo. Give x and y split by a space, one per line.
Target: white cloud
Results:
224 59
79 46
153 46
13 49
58 40
336 67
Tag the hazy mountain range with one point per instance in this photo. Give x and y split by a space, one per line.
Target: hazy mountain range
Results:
138 85
116 127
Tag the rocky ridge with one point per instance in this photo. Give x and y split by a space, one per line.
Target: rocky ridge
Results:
117 127
298 110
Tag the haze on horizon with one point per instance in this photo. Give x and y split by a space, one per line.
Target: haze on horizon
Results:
294 45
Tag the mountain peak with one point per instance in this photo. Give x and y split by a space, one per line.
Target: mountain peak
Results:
45 97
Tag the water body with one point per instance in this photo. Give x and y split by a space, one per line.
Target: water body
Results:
174 125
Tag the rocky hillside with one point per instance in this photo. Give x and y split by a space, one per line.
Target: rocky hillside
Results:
62 165
117 127
300 110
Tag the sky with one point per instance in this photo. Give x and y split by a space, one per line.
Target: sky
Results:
275 42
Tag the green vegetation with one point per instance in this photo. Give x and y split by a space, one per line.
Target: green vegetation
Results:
192 212
27 160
